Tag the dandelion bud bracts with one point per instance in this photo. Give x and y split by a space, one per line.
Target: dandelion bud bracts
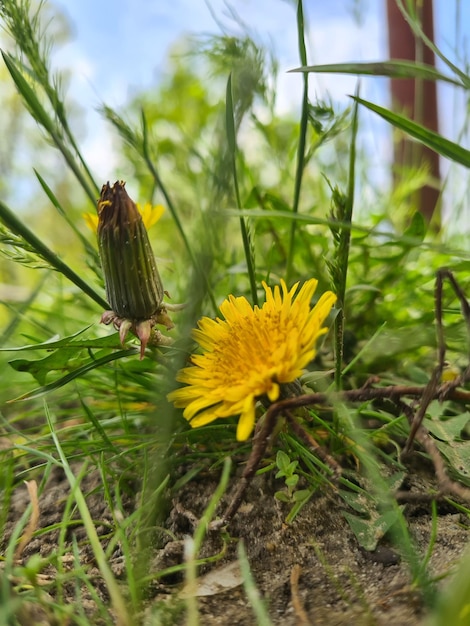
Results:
133 285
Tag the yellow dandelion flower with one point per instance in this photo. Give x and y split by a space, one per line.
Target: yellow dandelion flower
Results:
150 216
251 353
91 220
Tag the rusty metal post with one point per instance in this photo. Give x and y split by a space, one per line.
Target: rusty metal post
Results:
415 98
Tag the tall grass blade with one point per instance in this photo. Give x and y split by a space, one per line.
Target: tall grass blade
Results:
302 141
342 253
254 598
232 145
429 138
43 118
117 600
18 227
52 197
394 68
417 29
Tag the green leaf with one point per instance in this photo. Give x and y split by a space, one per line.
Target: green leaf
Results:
457 455
77 373
301 495
417 228
448 438
357 501
282 496
429 138
229 118
282 461
292 480
395 68
39 369
110 341
368 532
299 502
449 429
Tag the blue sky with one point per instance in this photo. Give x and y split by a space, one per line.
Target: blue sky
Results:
119 47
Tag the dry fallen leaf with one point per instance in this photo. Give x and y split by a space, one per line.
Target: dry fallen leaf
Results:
216 581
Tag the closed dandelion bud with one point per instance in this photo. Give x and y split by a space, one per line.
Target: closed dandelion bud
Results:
133 285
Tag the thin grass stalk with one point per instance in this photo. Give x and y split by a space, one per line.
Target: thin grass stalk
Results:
302 139
91 251
254 598
160 185
435 141
64 530
42 117
194 544
411 18
122 539
174 213
84 591
232 145
342 254
20 312
31 40
123 618
140 144
453 607
19 228
432 536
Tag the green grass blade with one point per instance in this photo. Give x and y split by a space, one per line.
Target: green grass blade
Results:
65 342
34 45
52 197
428 137
342 252
229 117
39 113
80 371
174 213
19 228
415 24
232 145
453 606
395 68
156 177
98 427
24 306
115 593
255 600
29 96
302 140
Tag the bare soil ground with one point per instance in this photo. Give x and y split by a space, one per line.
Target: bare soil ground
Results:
311 572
